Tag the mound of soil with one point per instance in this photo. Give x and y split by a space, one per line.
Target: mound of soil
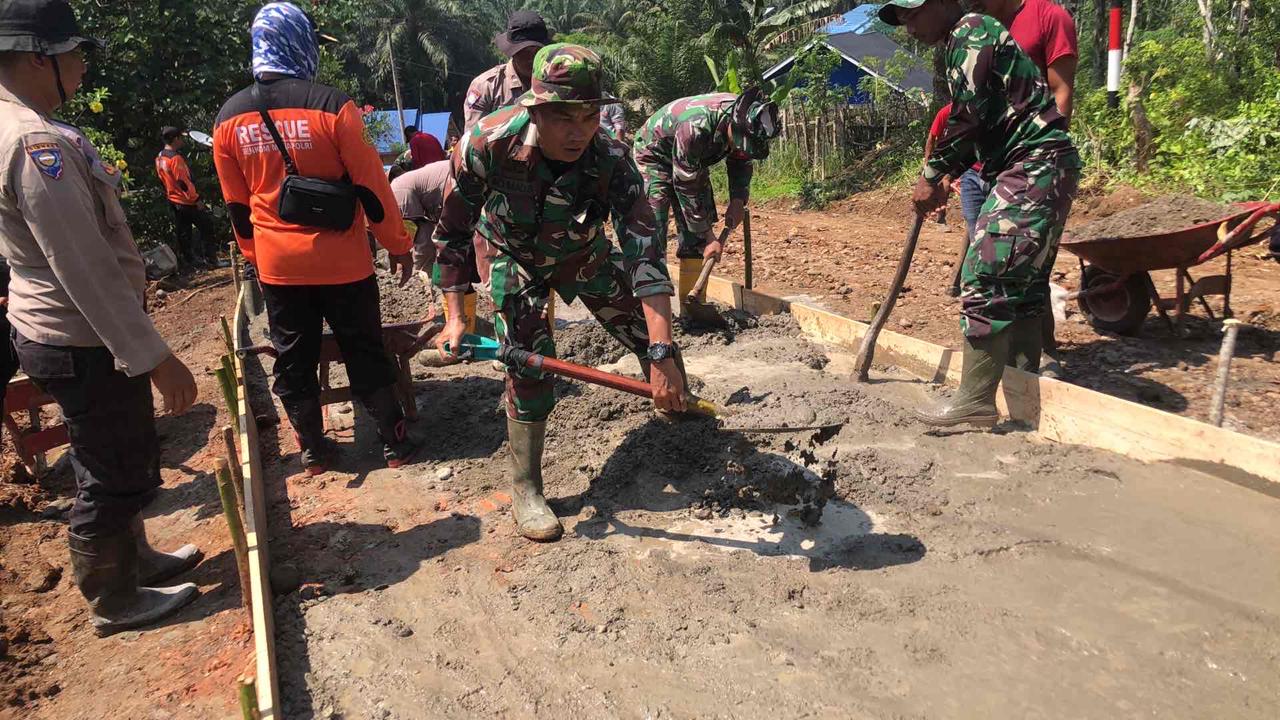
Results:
586 343
410 303
1166 214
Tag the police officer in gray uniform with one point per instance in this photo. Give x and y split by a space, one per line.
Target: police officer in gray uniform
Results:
80 327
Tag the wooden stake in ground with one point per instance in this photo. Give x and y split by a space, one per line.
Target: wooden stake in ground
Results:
248 701
1232 329
226 381
233 461
868 348
229 510
226 336
746 249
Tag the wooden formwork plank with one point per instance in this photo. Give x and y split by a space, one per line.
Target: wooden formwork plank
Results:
1057 411
266 683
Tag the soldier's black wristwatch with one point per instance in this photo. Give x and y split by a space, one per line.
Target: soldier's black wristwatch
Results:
661 351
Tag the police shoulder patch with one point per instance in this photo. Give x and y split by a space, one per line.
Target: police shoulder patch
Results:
47 157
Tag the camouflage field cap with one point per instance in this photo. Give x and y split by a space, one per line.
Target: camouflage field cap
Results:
566 73
889 16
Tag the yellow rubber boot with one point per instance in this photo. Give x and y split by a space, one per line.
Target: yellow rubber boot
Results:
469 308
690 269
432 357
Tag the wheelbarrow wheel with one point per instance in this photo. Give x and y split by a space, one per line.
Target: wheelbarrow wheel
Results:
1121 309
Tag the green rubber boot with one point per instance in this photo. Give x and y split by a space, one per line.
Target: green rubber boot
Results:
533 516
1026 344
975 401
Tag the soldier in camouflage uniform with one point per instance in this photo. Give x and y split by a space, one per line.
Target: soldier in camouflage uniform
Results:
1003 116
541 178
675 151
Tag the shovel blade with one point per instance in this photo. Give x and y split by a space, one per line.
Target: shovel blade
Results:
702 314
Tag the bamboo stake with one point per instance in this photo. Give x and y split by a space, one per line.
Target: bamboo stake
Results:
226 335
233 460
236 528
229 395
229 367
235 265
248 701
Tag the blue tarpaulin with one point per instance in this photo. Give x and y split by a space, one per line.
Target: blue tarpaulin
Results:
436 124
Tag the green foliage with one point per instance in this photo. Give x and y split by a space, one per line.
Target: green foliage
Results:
728 82
781 175
664 57
888 73
814 94
1214 125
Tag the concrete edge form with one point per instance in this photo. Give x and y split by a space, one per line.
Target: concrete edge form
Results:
266 684
1056 410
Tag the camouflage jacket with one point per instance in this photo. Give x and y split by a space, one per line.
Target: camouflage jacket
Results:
684 139
551 226
1002 111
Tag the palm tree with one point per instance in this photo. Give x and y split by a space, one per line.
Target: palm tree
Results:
563 16
421 39
750 25
613 17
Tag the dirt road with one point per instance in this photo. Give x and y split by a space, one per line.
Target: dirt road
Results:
51 664
954 575
843 258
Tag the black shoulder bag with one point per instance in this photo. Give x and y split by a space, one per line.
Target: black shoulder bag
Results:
314 202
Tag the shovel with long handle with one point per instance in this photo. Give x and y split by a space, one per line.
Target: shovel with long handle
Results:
868 348
475 347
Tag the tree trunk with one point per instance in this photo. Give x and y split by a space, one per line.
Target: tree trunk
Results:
1143 133
1133 26
395 82
1099 49
1210 34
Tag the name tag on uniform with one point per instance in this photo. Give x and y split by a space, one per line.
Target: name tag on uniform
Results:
514 178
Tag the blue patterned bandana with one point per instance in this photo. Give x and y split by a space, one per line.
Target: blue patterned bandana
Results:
284 42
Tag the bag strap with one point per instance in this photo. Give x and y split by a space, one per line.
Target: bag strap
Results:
289 167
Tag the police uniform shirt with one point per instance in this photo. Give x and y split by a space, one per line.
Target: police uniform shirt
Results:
77 276
494 89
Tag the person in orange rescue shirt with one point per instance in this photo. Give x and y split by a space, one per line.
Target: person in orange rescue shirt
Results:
311 275
184 200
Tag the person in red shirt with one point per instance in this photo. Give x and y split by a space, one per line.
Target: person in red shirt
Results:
310 275
935 132
184 200
1046 32
424 148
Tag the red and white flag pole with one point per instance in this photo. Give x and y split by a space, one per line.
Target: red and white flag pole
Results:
1114 56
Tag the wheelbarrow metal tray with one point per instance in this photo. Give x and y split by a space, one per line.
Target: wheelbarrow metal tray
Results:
1160 251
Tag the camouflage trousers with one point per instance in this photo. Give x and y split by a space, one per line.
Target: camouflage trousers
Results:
1005 275
521 321
661 192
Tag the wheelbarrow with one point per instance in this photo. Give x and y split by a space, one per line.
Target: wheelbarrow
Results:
1116 291
402 342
